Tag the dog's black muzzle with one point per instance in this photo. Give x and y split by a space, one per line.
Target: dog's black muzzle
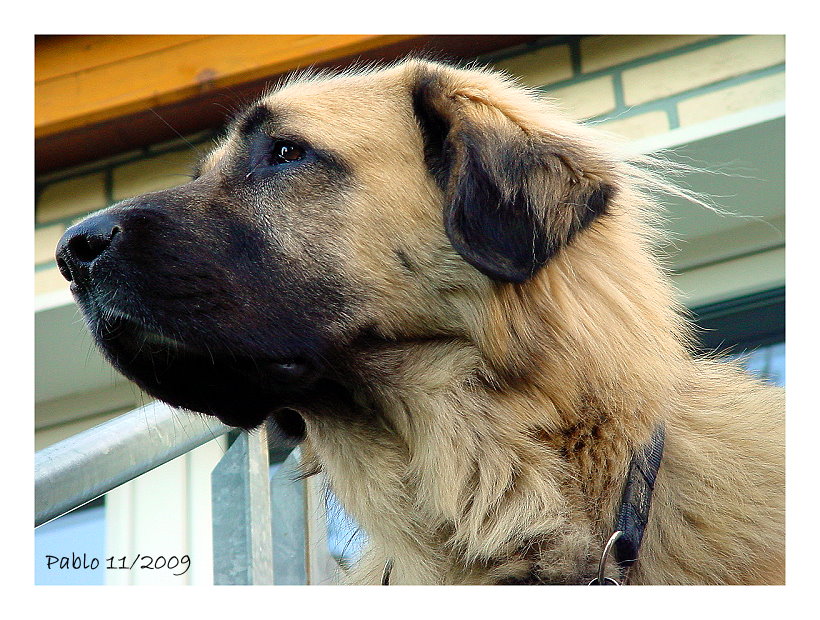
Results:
195 305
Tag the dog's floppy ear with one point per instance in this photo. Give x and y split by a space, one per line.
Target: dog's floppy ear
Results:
515 194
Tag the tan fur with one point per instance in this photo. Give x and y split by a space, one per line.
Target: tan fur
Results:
494 422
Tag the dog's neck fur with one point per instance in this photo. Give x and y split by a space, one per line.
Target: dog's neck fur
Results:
451 480
485 460
484 457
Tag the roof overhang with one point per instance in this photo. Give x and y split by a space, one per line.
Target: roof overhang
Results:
99 95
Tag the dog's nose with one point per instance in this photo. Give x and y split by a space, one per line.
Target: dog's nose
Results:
84 243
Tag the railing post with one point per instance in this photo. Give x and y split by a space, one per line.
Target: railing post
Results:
243 553
299 527
288 526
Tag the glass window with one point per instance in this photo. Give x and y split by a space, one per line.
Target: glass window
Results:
70 550
344 537
767 362
751 329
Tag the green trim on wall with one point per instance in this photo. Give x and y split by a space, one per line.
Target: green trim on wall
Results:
622 111
743 322
575 56
637 62
108 186
531 46
45 266
669 104
108 165
618 88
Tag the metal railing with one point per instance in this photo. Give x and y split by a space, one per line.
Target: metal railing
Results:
266 529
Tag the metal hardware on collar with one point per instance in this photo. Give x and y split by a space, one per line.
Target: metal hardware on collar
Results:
608 581
633 514
600 580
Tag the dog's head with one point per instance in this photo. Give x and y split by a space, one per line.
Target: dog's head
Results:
377 203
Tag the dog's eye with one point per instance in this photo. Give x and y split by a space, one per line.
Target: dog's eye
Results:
284 152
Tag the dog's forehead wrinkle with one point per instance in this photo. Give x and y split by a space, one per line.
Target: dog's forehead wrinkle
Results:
254 118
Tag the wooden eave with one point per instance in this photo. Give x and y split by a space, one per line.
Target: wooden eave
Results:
99 95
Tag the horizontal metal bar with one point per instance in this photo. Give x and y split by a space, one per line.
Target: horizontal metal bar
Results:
83 467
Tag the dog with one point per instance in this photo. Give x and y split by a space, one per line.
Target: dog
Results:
449 293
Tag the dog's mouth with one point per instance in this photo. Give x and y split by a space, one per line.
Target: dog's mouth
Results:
240 390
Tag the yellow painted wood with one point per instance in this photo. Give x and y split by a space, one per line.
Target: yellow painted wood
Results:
71 197
543 66
731 100
610 50
78 83
701 67
639 126
586 99
62 55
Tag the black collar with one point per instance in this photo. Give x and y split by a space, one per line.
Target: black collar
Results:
633 514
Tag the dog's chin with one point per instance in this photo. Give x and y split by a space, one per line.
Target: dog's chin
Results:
241 391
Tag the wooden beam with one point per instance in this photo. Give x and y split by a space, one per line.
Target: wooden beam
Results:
82 80
66 54
208 107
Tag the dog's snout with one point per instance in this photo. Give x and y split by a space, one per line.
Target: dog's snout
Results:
84 243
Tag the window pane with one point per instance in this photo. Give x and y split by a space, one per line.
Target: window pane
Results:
768 362
75 539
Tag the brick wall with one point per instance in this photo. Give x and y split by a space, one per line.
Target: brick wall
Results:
636 86
643 85
66 197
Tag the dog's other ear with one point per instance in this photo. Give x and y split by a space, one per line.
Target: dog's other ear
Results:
515 193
